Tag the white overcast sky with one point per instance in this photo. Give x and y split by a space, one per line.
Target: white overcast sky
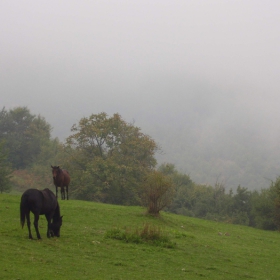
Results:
69 59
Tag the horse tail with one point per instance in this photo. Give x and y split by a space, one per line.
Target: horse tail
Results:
22 214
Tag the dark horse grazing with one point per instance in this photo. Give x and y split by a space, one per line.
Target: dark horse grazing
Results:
41 203
61 179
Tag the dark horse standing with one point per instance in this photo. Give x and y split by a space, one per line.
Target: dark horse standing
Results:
61 179
41 203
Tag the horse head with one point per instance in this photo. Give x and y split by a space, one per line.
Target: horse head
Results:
55 227
55 171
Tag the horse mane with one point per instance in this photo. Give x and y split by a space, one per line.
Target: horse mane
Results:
46 193
56 216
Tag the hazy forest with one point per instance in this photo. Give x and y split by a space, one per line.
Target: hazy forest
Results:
113 161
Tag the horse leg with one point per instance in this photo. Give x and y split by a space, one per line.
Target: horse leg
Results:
36 219
49 232
28 224
56 191
67 191
62 193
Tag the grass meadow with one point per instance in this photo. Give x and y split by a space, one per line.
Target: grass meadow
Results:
99 241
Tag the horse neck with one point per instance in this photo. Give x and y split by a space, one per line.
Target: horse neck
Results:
56 216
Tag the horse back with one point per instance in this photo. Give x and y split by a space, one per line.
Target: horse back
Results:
37 201
66 177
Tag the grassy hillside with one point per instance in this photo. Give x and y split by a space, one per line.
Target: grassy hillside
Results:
203 250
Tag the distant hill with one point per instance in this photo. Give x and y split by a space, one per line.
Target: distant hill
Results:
233 159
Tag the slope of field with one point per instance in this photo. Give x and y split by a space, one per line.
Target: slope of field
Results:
203 250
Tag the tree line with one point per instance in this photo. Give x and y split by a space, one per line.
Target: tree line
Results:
113 161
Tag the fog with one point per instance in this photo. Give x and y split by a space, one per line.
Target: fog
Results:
203 73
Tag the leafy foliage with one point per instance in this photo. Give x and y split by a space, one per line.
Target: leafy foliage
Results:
276 189
5 170
262 212
109 159
24 135
259 209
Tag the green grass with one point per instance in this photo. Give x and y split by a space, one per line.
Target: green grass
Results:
86 250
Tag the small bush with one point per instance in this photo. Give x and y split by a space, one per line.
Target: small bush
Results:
157 192
147 234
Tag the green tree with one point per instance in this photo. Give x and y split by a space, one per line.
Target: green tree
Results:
181 203
241 207
24 135
110 159
275 190
263 208
5 170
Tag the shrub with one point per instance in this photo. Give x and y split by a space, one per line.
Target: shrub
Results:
157 193
148 234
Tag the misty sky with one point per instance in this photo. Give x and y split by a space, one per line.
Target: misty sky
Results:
150 60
